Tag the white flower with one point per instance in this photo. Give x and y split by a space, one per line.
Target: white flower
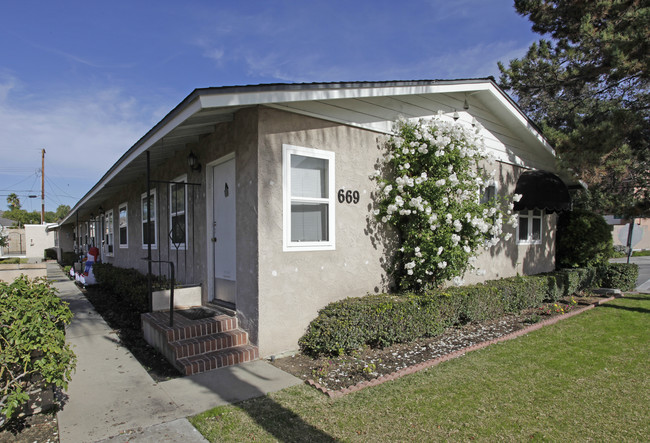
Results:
407 165
442 264
387 189
467 249
440 249
440 182
409 265
376 212
508 236
458 281
516 197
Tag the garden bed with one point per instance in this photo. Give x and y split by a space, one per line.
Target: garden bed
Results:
336 373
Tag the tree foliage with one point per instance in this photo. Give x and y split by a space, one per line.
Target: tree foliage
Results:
587 88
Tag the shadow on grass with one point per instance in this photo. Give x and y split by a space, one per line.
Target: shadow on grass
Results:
626 308
284 424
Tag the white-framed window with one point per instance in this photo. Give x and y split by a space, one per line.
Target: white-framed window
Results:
178 212
123 225
489 192
308 199
149 232
529 230
108 232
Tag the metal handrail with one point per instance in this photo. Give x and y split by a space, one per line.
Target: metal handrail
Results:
171 289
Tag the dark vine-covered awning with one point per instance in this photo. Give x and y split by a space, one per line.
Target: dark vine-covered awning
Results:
542 190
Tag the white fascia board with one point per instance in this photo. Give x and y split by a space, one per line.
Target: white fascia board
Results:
520 118
275 97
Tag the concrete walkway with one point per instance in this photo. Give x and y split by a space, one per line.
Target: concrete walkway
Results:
111 397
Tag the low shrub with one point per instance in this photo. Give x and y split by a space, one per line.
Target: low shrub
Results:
381 320
33 351
68 258
583 239
129 285
618 275
50 254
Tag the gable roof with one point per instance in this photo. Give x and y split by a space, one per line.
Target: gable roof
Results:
369 105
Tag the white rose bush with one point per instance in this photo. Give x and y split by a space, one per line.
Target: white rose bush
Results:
429 190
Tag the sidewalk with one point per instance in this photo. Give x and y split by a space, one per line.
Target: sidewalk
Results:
112 397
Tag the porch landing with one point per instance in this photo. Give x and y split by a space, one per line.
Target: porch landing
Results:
198 345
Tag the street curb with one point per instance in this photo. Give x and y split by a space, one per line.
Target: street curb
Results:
430 363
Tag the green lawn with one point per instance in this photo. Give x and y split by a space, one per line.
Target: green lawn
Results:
583 379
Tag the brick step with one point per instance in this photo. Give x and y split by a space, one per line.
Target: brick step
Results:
208 343
217 359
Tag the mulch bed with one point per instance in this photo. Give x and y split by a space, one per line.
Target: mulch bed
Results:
367 367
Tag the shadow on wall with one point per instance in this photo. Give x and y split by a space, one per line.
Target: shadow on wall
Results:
382 236
507 180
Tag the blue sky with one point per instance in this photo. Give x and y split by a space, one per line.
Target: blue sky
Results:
86 79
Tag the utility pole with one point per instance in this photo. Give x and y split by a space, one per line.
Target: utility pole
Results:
42 186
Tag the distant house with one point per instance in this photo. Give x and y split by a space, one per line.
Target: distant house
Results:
243 184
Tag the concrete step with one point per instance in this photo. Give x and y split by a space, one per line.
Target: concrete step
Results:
217 359
209 343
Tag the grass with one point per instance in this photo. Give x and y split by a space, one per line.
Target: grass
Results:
634 254
583 379
13 261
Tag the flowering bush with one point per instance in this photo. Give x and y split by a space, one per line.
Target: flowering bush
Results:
430 190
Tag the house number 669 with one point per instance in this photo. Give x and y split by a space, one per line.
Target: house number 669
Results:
348 196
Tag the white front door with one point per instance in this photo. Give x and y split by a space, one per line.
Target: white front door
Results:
224 233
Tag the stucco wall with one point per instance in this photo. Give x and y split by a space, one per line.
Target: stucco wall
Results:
37 240
640 234
293 286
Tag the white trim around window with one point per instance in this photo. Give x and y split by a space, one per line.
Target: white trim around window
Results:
178 212
143 212
123 225
109 238
530 227
308 199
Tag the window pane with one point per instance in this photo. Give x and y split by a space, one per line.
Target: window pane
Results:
537 212
309 177
144 208
178 229
523 228
123 235
178 198
309 222
148 235
537 229
488 194
122 217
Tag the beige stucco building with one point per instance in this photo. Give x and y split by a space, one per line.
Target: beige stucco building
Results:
244 185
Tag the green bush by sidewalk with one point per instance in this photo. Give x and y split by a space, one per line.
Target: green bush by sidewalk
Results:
33 351
384 319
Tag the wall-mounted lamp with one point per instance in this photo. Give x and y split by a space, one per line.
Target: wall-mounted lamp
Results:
193 162
466 104
455 116
101 210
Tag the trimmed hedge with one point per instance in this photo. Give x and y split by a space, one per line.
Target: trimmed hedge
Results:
619 275
381 320
128 284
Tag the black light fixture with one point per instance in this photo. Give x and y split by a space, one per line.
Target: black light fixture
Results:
101 210
455 116
466 104
193 162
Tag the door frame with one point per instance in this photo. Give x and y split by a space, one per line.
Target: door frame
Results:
209 213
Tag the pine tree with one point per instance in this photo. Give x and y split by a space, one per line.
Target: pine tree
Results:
586 86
